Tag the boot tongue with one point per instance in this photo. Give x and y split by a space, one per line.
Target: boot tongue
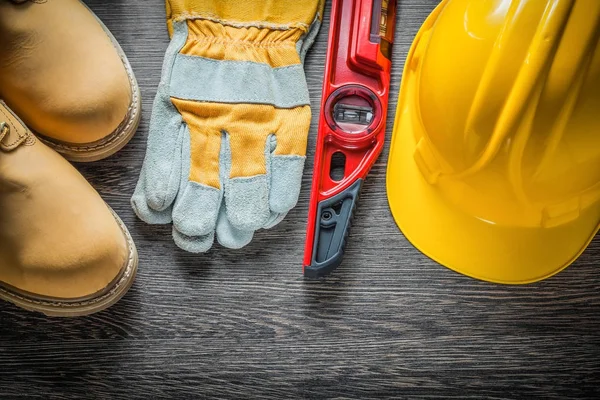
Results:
12 130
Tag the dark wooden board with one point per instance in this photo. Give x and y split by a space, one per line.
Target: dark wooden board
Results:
238 324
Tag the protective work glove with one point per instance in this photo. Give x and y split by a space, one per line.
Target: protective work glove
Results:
229 127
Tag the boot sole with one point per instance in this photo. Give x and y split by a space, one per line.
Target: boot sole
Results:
115 141
82 306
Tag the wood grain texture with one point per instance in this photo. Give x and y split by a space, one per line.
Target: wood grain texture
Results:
239 324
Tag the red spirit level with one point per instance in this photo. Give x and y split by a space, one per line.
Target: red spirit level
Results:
351 125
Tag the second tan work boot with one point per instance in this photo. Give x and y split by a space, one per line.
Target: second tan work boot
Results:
63 251
67 78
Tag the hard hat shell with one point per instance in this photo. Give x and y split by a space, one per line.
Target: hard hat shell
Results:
494 169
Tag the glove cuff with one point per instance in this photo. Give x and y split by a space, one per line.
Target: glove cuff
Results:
216 41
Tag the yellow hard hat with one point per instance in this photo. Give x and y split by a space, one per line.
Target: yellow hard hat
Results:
494 169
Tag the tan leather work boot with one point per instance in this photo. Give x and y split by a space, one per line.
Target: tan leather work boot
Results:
66 76
63 251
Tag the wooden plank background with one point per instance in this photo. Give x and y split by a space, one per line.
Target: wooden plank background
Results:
239 324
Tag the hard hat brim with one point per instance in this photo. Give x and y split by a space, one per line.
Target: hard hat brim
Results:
470 246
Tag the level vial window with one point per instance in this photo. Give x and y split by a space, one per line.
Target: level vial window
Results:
353 113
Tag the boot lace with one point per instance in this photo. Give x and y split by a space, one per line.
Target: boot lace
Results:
4 129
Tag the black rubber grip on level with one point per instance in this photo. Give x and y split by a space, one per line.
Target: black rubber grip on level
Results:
331 231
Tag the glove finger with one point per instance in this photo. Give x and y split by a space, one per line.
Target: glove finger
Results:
246 197
285 162
223 221
193 244
162 162
195 210
151 203
197 205
286 180
229 236
274 220
247 202
140 206
281 197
